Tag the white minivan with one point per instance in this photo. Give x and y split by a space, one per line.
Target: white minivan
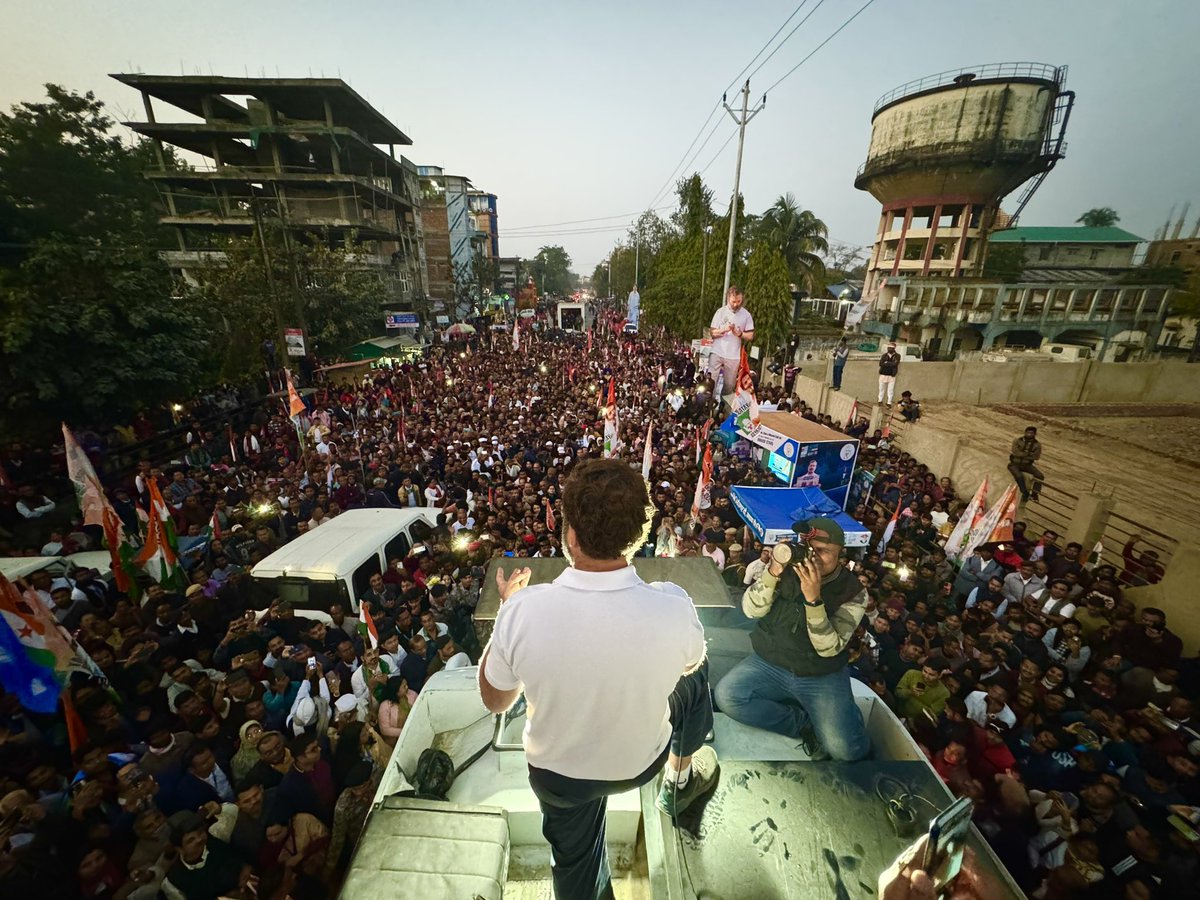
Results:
334 562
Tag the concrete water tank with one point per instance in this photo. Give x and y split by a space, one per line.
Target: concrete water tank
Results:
946 149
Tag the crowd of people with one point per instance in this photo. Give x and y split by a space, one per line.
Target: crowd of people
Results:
237 743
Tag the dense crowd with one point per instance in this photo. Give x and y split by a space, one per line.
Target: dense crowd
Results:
237 743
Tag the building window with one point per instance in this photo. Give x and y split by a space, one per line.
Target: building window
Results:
1175 257
1094 255
1044 252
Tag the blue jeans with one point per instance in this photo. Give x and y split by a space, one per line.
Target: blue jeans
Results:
837 376
765 696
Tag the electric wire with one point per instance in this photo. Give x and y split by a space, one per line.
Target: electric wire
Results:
813 52
779 46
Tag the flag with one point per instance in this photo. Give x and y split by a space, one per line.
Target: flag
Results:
491 398
966 523
516 345
745 404
612 426
1097 552
589 346
701 498
158 557
37 656
366 626
232 443
214 526
94 505
295 404
551 522
853 417
701 437
164 516
648 452
993 523
890 529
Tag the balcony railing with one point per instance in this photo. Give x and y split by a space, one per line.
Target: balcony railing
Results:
1056 74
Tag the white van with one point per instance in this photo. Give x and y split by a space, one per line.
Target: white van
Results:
334 562
14 567
1066 352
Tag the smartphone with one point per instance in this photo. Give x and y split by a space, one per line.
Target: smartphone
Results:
945 844
312 663
1183 828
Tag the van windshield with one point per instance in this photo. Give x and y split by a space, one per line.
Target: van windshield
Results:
301 592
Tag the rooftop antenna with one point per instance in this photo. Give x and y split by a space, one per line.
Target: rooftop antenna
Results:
1179 225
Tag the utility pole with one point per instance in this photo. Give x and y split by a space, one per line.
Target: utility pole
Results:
742 121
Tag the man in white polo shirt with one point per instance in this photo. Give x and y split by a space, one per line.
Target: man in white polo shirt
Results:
731 325
614 671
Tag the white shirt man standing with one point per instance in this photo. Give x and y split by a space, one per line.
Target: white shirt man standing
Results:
731 325
614 671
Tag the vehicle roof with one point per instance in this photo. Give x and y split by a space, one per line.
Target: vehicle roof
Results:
14 567
340 545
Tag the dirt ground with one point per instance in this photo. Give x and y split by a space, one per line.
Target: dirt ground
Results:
1121 454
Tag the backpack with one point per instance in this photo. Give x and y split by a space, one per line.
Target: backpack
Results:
434 775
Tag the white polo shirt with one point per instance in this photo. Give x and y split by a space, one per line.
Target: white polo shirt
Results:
598 654
729 346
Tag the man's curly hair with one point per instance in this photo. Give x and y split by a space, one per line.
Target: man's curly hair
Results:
607 504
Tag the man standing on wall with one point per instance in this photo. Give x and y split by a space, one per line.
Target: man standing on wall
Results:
1025 452
614 671
889 366
840 354
731 325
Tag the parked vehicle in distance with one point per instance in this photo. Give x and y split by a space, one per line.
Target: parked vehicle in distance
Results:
1065 352
873 349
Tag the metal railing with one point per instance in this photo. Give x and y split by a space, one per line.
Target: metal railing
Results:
1118 531
1045 71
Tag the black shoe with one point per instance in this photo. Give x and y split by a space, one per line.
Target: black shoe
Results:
1035 497
812 746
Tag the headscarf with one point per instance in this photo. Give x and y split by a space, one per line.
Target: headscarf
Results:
247 755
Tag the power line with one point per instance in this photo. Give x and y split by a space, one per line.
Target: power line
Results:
681 166
779 46
836 32
580 221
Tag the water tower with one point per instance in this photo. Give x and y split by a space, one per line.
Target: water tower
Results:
945 150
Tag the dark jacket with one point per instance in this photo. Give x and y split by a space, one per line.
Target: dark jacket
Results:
782 638
889 363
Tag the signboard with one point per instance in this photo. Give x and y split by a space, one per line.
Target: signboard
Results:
443 320
781 464
401 320
293 339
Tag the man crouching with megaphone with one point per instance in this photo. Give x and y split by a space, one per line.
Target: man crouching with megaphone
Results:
614 671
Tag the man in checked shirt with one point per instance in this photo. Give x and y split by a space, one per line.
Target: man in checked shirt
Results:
796 681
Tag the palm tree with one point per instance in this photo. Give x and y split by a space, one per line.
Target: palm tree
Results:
799 235
1100 217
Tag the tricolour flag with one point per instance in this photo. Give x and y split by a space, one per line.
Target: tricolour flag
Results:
36 655
700 500
958 538
589 346
890 529
214 526
612 425
366 627
648 451
158 557
992 522
745 403
94 505
853 417
295 404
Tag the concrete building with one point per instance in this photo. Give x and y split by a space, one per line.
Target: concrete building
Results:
482 208
1172 248
455 241
305 152
509 268
945 150
944 317
1071 253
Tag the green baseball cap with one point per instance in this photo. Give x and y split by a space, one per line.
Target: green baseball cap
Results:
820 529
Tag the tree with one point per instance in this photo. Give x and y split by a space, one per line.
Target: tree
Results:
600 279
1099 217
1004 262
90 322
769 296
552 270
799 235
92 332
695 206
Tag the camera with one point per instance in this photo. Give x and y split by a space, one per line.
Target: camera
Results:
796 551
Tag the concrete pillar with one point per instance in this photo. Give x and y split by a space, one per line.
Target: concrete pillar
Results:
1175 595
1088 519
